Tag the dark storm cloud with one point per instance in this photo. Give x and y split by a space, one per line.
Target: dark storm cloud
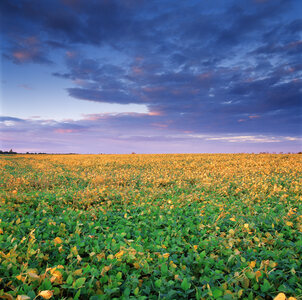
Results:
295 26
29 49
197 100
198 66
140 24
75 22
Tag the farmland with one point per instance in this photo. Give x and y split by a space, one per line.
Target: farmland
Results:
182 226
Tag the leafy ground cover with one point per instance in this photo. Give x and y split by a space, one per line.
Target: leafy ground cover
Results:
151 227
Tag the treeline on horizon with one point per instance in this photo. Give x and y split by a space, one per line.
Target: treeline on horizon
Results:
31 153
14 152
36 153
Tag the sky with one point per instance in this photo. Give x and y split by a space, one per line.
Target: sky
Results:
151 76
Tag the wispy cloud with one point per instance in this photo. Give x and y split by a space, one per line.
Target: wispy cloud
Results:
25 86
247 138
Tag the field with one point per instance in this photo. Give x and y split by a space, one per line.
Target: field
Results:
151 226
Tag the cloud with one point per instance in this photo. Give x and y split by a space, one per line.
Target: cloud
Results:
200 67
13 119
246 138
62 130
119 133
25 86
29 49
197 100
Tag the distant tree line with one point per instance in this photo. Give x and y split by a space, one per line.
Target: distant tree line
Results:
34 153
8 152
14 152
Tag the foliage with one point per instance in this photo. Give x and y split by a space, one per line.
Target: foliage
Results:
150 227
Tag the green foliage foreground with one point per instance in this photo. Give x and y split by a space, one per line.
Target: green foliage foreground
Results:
150 227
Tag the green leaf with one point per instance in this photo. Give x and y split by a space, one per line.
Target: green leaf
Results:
79 282
158 283
31 294
265 286
56 291
69 280
164 269
202 254
119 275
245 283
217 293
250 275
77 295
127 292
185 285
46 284
136 291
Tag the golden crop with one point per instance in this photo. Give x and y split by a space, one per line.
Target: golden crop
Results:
96 178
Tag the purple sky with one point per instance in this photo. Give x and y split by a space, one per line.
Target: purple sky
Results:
151 76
